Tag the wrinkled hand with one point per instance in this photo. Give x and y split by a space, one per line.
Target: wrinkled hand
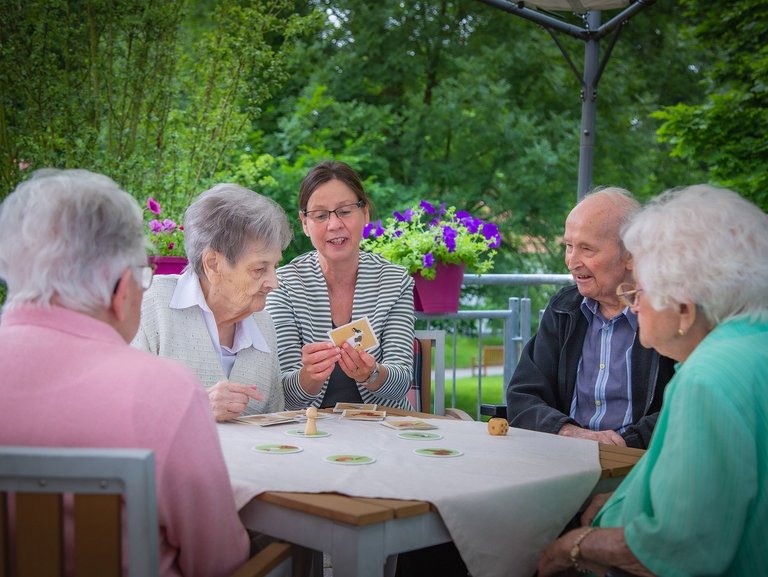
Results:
556 557
318 360
355 363
228 400
593 508
606 437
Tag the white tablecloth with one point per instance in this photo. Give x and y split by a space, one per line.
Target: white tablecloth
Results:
502 500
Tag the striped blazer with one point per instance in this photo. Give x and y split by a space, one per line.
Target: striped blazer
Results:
301 312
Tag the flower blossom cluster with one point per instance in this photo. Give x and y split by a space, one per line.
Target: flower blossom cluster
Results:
422 236
167 236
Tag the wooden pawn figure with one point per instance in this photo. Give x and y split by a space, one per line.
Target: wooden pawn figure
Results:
311 427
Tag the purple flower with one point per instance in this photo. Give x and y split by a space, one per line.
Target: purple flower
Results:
428 208
491 233
373 229
404 216
168 225
472 224
428 260
153 205
155 226
449 238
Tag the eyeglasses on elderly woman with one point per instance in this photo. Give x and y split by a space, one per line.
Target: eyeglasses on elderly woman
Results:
627 294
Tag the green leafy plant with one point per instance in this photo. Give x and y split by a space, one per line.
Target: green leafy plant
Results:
422 236
167 235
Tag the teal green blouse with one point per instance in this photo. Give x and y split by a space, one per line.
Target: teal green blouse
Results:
697 501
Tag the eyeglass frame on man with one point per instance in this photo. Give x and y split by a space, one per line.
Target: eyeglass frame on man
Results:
313 214
628 296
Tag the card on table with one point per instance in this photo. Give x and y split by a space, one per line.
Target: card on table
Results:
301 415
409 425
358 334
265 420
341 407
358 415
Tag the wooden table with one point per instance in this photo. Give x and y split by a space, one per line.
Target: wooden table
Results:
364 535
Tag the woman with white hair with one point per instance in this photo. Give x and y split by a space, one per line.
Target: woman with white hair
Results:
697 501
72 250
212 316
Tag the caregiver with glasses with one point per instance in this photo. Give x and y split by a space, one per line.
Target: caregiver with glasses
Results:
333 285
697 501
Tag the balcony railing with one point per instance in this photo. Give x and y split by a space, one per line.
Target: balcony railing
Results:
517 323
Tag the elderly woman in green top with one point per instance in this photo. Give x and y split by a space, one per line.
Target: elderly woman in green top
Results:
697 501
212 316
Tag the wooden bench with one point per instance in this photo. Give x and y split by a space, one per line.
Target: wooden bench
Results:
493 356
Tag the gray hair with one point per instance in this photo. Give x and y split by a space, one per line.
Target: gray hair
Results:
228 217
68 234
706 245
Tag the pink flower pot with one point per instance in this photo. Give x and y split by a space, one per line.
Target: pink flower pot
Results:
168 264
442 294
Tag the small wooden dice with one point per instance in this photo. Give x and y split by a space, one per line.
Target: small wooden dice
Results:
498 426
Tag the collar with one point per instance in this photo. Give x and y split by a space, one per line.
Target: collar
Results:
591 308
62 320
188 294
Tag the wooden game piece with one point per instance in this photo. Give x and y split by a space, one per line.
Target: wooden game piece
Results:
498 426
311 427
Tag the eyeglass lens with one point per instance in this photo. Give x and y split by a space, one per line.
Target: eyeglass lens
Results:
342 212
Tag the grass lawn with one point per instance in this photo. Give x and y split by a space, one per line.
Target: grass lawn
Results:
466 393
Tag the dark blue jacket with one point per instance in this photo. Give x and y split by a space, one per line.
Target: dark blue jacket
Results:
540 392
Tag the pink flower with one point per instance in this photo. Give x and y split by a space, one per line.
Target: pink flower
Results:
153 205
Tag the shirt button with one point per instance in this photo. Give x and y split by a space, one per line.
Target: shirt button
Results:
602 366
597 403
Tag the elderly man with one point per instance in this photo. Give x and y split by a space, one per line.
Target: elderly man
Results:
585 373
72 253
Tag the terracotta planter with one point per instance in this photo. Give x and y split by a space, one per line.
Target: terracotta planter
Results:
168 264
442 294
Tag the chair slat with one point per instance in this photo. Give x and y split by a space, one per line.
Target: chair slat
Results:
98 554
4 547
39 535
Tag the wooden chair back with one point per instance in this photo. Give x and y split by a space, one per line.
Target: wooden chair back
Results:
38 537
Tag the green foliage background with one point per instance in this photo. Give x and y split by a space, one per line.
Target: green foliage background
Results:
436 99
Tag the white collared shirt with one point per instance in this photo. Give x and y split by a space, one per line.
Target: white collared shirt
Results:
247 334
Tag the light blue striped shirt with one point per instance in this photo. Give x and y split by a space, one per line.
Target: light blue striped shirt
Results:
602 399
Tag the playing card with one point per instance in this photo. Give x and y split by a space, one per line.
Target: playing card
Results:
265 420
358 334
409 425
341 407
364 415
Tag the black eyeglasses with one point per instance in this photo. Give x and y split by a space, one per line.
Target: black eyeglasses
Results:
343 212
627 294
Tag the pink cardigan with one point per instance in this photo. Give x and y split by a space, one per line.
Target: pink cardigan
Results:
69 380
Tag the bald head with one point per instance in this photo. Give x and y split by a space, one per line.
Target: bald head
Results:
606 211
594 253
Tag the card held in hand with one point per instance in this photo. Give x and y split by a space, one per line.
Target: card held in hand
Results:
358 334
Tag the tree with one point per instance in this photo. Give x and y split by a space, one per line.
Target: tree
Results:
725 134
159 96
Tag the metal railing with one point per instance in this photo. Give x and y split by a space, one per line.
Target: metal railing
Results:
517 323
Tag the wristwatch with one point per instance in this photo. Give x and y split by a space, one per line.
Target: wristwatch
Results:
373 376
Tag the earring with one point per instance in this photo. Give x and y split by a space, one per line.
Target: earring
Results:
680 332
